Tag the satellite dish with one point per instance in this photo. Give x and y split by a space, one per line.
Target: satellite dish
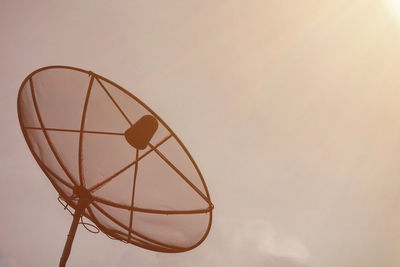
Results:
113 160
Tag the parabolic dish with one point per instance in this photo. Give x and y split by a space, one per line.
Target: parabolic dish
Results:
87 132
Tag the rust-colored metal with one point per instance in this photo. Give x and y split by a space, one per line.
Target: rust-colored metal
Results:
83 203
83 197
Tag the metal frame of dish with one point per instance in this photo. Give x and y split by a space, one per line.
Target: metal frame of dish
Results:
82 195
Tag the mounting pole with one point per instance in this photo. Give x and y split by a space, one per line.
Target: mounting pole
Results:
83 202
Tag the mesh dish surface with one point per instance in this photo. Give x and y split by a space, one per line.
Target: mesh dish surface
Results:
74 122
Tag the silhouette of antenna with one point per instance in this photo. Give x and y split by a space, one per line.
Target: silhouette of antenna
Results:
113 160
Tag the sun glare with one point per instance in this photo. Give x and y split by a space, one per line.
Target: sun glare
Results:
394 7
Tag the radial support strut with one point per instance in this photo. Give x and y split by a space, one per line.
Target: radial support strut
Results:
84 201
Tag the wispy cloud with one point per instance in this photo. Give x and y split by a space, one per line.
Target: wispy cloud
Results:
267 242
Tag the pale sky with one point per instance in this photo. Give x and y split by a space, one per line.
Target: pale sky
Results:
291 110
